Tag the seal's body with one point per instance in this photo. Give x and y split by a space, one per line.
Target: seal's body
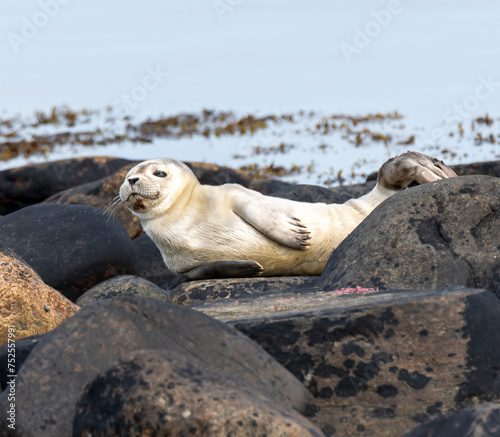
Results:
228 230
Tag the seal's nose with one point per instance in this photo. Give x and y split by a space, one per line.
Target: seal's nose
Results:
132 181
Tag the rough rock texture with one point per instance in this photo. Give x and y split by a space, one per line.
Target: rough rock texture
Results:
150 264
26 303
33 183
478 421
434 235
24 346
378 364
194 292
311 194
121 286
71 247
151 393
54 376
100 194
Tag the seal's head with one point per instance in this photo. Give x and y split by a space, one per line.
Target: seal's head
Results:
152 187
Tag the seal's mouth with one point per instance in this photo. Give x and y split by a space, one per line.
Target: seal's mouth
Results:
136 195
138 205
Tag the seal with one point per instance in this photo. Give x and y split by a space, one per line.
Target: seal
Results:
205 231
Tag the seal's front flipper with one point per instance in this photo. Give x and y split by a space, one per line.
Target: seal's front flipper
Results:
226 269
273 222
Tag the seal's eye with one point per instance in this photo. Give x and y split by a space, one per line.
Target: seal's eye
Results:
160 174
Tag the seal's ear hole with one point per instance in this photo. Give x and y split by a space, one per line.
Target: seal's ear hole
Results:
160 174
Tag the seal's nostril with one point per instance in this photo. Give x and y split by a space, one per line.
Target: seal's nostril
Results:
132 181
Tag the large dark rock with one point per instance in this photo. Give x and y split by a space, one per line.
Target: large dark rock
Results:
354 191
24 346
121 286
194 292
478 421
33 183
150 264
100 194
489 168
166 393
378 363
311 194
434 235
56 373
314 193
269 186
212 174
71 247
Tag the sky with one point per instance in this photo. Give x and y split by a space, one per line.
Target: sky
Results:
431 61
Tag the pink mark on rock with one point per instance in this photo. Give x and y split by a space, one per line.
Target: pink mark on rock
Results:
357 290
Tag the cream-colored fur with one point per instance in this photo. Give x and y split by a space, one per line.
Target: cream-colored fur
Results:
194 224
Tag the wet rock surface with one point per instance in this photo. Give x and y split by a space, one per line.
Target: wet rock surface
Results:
63 363
378 363
194 292
430 236
71 247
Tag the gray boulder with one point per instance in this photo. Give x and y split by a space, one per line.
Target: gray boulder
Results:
434 235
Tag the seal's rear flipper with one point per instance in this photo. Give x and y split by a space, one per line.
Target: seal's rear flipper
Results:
225 269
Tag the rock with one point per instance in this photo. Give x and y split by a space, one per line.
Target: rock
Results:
489 168
354 191
478 421
71 247
150 264
194 292
27 305
434 235
269 186
100 194
167 393
120 286
53 378
33 183
212 174
378 363
24 346
311 194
